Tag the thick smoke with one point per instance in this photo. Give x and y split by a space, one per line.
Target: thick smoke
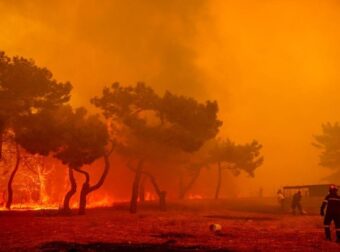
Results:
272 65
95 43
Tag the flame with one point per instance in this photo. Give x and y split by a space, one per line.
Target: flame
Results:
100 201
93 201
195 196
149 196
96 201
42 184
33 189
31 206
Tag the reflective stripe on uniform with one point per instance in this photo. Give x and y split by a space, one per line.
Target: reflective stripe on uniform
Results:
326 226
325 201
334 199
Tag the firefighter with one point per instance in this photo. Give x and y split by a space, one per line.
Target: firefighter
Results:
296 202
332 201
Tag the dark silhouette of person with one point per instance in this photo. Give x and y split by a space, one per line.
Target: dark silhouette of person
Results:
296 202
332 201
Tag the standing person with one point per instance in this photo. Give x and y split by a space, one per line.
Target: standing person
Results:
281 199
332 201
261 192
296 202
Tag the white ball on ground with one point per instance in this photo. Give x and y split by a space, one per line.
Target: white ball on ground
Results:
215 228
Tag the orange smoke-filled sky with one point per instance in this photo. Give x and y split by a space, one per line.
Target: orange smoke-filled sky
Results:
272 65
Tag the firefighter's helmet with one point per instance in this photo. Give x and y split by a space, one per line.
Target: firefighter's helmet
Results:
333 188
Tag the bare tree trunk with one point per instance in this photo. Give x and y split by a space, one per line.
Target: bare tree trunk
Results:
162 201
43 196
142 190
10 181
219 181
135 187
161 194
71 192
83 195
87 189
190 184
84 191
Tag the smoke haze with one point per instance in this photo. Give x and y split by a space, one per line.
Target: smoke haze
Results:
272 65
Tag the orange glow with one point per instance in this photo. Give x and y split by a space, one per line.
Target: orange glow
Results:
31 206
97 201
169 125
103 200
272 65
149 196
195 196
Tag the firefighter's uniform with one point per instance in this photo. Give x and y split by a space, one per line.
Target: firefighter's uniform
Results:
296 203
332 201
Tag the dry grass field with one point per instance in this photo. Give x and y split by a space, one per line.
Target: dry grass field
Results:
246 226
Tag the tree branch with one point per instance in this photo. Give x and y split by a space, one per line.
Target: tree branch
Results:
85 173
104 175
191 183
153 181
151 177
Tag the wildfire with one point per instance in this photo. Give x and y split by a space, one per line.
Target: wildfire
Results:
31 206
100 201
149 196
96 201
195 196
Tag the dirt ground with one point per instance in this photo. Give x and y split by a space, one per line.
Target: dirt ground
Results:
184 227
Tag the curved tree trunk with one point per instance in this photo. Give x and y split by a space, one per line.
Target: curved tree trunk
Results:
83 195
142 190
135 187
161 194
71 192
192 181
86 188
219 181
10 181
162 201
84 191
